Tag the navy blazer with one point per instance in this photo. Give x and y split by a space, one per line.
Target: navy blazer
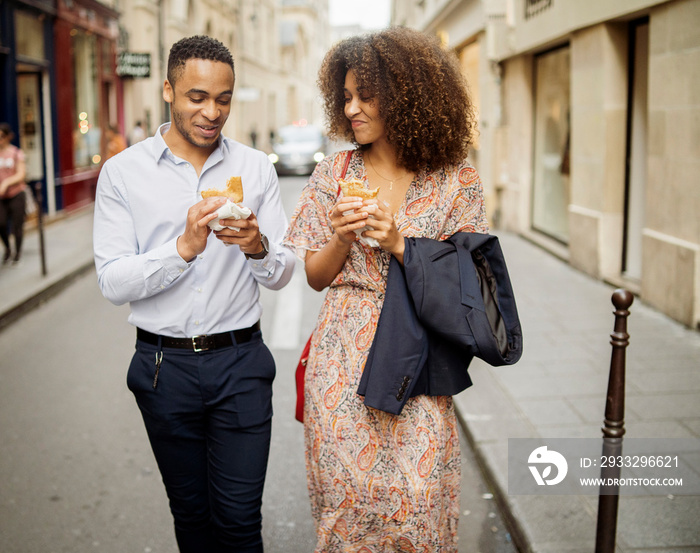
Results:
451 301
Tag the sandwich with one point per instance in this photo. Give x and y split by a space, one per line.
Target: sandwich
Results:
357 188
233 191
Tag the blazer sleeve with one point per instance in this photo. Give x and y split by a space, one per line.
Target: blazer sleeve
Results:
399 351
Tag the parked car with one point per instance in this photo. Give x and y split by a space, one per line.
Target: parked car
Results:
297 149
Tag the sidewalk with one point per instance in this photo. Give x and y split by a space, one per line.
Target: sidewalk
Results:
558 388
68 253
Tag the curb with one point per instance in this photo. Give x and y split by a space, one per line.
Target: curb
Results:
499 495
32 302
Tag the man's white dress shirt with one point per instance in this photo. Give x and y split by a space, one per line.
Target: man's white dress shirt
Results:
143 195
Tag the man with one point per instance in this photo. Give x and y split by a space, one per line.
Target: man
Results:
115 141
137 133
201 375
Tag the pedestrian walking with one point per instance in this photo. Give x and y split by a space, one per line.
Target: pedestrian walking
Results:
201 373
137 134
253 138
381 482
115 141
13 201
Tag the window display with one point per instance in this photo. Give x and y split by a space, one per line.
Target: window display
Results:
550 199
86 130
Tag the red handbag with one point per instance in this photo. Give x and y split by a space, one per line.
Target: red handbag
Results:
299 375
304 359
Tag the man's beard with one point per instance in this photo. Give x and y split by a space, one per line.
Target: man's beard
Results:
179 123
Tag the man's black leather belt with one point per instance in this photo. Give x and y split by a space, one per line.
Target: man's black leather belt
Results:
203 342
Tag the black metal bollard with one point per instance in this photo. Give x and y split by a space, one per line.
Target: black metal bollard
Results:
40 224
614 426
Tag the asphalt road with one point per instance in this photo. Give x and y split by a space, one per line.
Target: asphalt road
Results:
76 471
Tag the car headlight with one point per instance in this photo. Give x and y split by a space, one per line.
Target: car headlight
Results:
273 157
318 157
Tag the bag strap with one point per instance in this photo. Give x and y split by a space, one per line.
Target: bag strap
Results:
345 168
347 162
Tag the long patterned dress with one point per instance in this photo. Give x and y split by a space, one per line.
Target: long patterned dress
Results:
377 482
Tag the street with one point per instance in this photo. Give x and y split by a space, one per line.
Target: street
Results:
77 473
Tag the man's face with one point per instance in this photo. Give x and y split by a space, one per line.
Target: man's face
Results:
200 101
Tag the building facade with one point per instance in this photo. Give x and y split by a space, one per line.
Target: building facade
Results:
276 45
26 35
589 118
57 91
70 68
87 96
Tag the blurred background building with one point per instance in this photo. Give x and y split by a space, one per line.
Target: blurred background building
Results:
589 117
70 68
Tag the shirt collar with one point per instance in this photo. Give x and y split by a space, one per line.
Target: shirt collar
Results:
160 147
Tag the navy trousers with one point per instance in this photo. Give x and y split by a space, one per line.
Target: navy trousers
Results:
208 421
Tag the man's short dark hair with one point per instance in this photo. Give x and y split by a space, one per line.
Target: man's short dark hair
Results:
197 47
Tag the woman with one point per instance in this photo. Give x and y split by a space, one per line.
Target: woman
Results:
13 173
381 482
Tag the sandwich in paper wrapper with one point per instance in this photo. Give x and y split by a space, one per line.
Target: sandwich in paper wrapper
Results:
234 195
358 189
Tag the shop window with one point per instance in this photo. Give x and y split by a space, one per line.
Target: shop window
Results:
29 35
86 129
550 199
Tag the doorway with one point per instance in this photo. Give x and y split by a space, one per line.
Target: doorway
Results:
636 162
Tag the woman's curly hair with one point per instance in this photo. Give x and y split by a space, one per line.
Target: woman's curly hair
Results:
421 93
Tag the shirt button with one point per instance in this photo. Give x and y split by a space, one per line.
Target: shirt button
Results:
182 270
162 286
201 257
199 290
197 323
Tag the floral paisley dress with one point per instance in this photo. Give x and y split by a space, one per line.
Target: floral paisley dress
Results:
377 482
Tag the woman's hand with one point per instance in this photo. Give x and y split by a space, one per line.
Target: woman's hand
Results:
324 265
346 220
384 228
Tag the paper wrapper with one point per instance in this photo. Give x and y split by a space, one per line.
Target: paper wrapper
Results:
371 242
229 211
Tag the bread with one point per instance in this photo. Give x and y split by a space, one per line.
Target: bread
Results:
357 188
234 191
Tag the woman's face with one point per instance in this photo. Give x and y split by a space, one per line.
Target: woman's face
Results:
363 113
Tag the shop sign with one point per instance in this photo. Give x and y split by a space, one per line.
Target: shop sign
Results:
132 64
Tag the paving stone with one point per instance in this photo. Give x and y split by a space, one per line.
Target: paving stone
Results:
666 406
549 412
659 521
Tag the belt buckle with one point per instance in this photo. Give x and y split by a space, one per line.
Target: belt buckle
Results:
201 347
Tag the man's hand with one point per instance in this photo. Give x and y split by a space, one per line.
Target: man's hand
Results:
193 241
247 237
